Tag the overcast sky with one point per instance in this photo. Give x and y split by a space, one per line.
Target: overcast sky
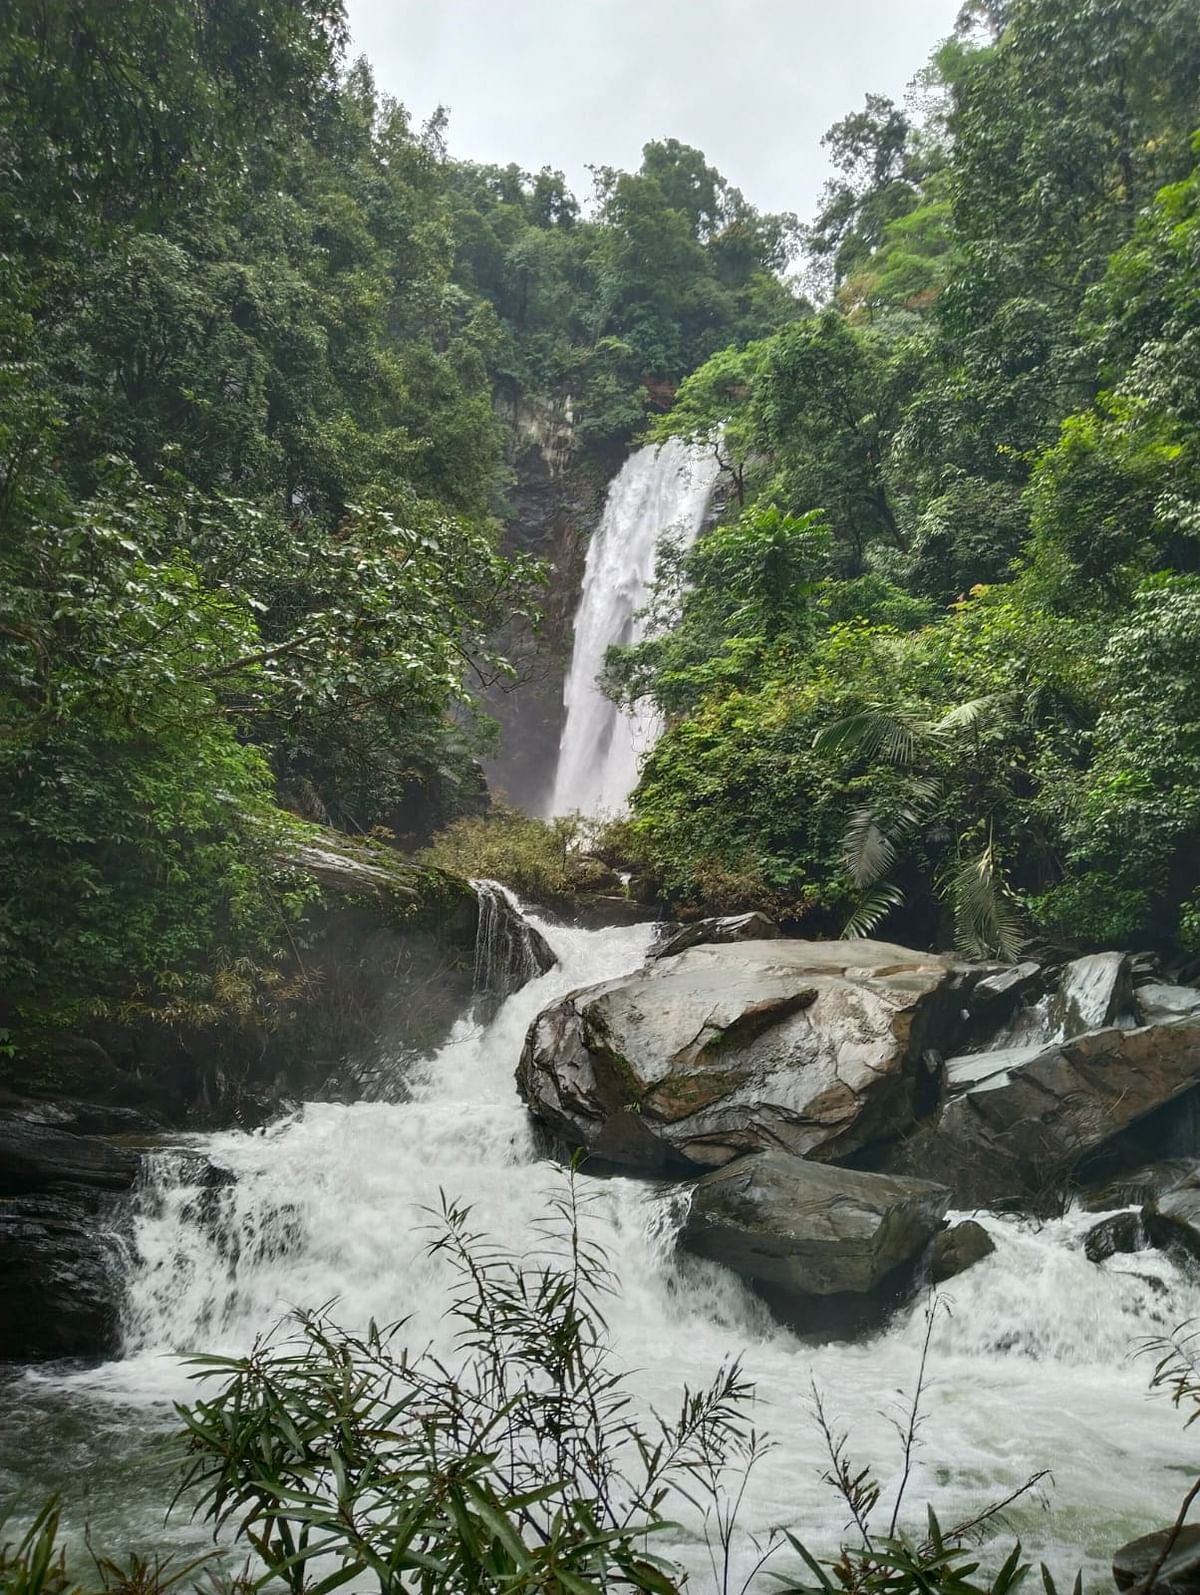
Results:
565 83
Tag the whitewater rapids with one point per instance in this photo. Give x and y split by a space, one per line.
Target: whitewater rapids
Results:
1031 1365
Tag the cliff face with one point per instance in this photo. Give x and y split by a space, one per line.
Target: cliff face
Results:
556 502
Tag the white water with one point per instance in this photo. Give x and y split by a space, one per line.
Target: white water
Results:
1030 1370
658 491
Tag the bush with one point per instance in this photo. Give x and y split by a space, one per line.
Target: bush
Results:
538 858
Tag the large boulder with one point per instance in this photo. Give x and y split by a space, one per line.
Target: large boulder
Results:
35 1155
1019 1128
62 1264
814 1048
809 1229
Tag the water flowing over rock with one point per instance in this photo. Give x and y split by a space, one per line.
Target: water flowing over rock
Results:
658 491
817 1048
809 1229
509 951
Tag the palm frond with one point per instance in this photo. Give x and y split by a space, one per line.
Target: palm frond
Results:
890 732
986 924
866 852
871 910
966 716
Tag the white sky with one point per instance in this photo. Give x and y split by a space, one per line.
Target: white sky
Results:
564 83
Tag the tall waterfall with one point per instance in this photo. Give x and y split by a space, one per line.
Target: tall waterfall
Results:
658 491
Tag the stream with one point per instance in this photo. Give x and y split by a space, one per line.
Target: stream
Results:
1032 1362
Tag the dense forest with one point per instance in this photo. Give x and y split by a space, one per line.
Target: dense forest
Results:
252 474
934 669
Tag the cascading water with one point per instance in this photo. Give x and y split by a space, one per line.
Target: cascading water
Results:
658 491
509 952
1030 1369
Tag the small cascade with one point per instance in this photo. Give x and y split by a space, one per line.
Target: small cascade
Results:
658 492
509 952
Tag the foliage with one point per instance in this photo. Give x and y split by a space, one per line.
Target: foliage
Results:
518 1467
539 858
980 683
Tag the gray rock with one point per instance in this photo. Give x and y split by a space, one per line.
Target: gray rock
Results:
84 1118
36 1155
1017 1132
810 1229
1158 1001
1092 992
730 928
1180 1573
1173 1217
1005 985
1119 1232
1138 1185
62 1264
815 1048
958 1248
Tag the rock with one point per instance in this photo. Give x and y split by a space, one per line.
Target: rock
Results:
1180 1573
1020 1130
509 951
1092 993
810 1229
1173 1217
730 928
958 1248
1005 986
814 1048
1138 1185
62 1264
1120 1232
84 1118
1158 1001
35 1155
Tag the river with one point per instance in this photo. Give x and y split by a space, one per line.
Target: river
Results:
1032 1363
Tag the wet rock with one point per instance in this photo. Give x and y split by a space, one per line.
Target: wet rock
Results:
1017 1131
958 1248
36 1155
815 1048
84 1118
1138 1185
62 1263
1092 992
1173 1217
1159 1001
729 928
509 951
1180 1573
809 1229
1120 1232
1005 987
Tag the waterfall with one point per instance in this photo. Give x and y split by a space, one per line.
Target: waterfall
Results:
1031 1369
509 952
658 491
